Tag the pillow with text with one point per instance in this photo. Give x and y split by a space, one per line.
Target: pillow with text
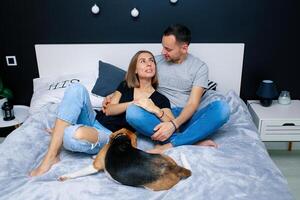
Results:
51 89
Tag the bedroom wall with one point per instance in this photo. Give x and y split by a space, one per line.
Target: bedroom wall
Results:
267 27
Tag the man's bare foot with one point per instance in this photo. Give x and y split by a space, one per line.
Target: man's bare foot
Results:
209 143
44 166
159 149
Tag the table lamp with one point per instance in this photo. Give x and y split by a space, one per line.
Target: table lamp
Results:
267 92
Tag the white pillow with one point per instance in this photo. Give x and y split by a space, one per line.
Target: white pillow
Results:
51 89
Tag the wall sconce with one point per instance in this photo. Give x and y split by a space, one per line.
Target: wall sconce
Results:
173 1
135 12
95 9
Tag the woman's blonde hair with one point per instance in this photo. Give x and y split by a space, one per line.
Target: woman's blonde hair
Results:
132 78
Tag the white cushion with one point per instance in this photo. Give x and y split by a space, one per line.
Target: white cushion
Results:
51 89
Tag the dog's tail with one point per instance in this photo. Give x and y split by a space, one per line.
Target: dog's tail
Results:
185 171
82 172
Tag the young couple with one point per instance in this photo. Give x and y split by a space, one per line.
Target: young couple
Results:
159 98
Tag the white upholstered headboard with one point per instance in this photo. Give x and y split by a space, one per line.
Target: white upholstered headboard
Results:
225 61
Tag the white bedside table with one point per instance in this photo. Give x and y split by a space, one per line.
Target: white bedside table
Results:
21 113
277 122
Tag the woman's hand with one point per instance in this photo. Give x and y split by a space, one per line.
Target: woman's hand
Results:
106 102
148 105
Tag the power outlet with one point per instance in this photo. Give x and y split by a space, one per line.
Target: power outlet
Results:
11 61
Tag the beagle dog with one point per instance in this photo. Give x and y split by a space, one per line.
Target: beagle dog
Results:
126 164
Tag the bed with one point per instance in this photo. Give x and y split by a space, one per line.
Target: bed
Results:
240 168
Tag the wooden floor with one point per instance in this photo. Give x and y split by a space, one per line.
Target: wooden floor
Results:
289 164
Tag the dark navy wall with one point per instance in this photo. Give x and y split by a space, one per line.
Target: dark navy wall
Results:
267 27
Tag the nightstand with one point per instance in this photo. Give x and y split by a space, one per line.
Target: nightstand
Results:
21 113
277 122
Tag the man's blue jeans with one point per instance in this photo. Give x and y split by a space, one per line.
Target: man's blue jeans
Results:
203 123
76 109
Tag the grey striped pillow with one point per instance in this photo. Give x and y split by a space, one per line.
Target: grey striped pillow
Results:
211 86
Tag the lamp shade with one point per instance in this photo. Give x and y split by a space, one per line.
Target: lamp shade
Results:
266 92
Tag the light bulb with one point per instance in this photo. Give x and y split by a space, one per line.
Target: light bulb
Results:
95 9
173 1
135 12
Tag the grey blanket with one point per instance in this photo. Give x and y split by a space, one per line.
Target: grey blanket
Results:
240 168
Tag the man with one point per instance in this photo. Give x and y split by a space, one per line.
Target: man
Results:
183 79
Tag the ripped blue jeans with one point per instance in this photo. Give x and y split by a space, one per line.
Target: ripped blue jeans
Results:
76 109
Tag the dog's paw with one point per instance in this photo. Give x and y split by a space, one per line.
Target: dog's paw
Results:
62 178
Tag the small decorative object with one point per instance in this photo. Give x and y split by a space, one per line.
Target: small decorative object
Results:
95 9
284 98
267 92
8 112
173 1
135 12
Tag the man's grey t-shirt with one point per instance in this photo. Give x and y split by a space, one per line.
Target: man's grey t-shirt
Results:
176 80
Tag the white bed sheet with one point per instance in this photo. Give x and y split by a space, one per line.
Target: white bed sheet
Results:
239 169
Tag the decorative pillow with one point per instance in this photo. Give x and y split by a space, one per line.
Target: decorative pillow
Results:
51 89
108 80
212 85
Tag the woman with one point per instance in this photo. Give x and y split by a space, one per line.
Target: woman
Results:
78 127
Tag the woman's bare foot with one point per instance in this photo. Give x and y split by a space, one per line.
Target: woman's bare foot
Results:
44 166
159 149
209 143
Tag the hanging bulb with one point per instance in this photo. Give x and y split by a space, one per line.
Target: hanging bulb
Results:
95 9
135 12
173 1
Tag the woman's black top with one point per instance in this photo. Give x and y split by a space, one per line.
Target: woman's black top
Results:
117 122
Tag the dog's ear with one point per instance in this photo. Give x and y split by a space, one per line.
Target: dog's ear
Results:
132 137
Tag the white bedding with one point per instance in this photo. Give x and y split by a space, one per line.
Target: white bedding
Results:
239 169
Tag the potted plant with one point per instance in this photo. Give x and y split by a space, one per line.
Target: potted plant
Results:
5 106
5 93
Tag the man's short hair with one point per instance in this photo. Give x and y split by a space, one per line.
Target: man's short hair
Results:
181 33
